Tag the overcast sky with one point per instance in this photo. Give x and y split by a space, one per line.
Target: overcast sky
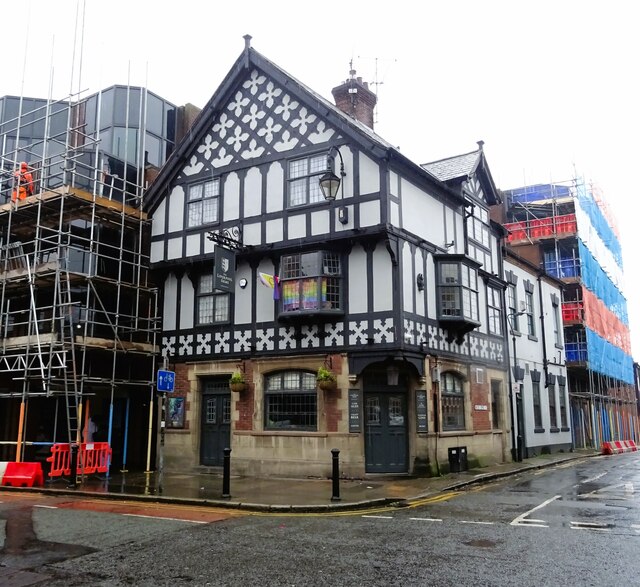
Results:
550 86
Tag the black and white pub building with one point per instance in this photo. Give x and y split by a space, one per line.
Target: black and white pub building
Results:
388 276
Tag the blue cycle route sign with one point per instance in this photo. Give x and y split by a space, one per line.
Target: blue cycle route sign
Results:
166 380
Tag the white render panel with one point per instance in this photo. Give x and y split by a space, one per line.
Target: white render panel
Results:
407 278
393 183
369 175
298 226
231 197
320 222
157 223
370 213
422 213
176 209
252 234
275 187
170 302
265 304
209 245
187 303
350 178
337 225
253 193
242 302
430 286
394 211
358 282
382 280
274 230
193 245
420 309
174 248
157 251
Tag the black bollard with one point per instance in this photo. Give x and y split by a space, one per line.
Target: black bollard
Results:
335 457
74 466
226 473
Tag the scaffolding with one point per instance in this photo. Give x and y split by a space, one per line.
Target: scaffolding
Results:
568 230
78 311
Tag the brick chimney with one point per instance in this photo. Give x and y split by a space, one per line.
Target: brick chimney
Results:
355 98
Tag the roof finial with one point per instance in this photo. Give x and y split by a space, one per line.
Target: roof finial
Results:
247 41
480 145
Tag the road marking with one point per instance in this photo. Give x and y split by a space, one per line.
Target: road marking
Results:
521 521
472 522
380 517
592 479
426 519
46 507
169 519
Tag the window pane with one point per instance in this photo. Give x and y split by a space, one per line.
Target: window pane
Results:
290 295
297 168
205 310
209 211
372 411
396 416
206 284
449 273
222 308
450 301
195 192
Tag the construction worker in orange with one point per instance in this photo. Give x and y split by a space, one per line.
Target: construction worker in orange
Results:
23 183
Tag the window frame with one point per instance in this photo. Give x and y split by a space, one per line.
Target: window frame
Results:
329 283
496 395
202 294
200 200
553 408
463 291
512 303
452 402
479 229
528 312
564 421
316 166
494 312
537 405
306 393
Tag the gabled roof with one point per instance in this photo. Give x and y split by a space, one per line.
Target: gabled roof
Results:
457 169
346 126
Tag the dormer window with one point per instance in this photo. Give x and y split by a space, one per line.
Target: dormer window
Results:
458 308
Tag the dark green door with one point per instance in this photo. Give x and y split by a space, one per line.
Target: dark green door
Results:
385 422
216 423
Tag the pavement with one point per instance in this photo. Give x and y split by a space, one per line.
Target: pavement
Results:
284 494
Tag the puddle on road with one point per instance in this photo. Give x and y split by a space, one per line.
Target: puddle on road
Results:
24 550
482 543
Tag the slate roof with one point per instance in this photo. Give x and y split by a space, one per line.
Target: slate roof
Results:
453 167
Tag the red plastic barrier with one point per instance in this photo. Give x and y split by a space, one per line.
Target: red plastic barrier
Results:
93 457
618 446
23 475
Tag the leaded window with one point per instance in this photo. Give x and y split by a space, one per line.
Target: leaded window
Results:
311 282
203 203
452 399
304 180
291 401
212 304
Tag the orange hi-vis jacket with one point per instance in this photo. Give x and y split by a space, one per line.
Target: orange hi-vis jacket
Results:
24 183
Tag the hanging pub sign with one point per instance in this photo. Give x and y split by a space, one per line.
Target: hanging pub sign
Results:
224 269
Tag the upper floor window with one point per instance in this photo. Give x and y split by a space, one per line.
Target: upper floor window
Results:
512 307
203 203
528 310
479 233
291 401
212 305
494 309
304 180
452 397
457 290
311 282
557 338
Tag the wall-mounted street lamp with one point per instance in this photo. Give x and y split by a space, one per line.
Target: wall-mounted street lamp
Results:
330 183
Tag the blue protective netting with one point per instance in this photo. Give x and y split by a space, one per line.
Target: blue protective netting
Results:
599 222
535 193
608 359
599 283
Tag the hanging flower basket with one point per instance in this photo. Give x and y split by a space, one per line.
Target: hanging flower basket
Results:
237 382
327 385
326 379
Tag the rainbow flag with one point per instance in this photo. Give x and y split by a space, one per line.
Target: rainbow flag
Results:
272 281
